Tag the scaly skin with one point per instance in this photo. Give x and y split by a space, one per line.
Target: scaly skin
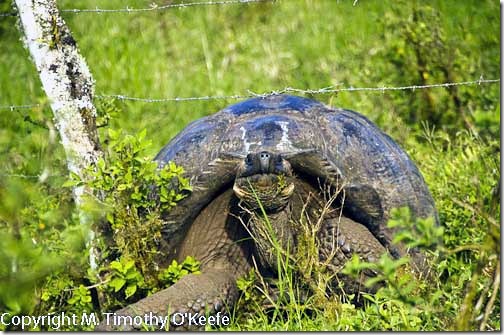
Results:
339 239
218 239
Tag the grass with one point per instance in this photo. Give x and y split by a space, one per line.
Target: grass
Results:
224 50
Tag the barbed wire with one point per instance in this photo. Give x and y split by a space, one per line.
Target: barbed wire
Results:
14 107
153 7
24 176
18 176
251 94
326 90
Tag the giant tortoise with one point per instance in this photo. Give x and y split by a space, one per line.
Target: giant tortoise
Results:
257 168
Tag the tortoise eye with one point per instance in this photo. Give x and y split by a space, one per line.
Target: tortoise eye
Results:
279 166
248 160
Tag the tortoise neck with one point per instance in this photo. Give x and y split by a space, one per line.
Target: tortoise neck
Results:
274 236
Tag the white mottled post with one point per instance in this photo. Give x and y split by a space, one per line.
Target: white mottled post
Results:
67 83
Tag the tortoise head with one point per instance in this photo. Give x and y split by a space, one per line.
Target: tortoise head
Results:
264 178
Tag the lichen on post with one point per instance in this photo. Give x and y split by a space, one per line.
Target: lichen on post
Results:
68 84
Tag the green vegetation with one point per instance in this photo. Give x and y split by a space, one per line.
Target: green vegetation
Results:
452 133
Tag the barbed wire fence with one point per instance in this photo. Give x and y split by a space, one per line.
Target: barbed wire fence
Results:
248 94
326 90
152 8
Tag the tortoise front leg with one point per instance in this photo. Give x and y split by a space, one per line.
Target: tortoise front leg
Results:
217 239
340 238
189 304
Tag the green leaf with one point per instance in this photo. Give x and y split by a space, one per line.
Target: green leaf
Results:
72 183
114 134
73 300
141 135
129 265
130 290
122 187
115 265
132 275
101 164
45 296
110 217
117 283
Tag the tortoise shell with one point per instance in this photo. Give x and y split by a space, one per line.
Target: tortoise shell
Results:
333 145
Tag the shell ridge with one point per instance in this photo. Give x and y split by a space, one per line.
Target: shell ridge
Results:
390 145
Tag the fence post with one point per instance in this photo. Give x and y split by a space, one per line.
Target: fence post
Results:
69 86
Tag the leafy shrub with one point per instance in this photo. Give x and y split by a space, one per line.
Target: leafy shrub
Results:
418 50
135 193
123 274
56 274
176 271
